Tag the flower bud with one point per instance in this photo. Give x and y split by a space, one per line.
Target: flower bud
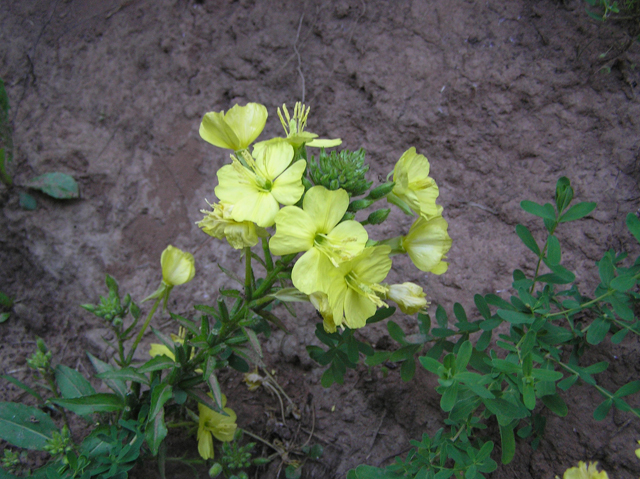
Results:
178 267
378 216
358 205
408 296
215 470
381 190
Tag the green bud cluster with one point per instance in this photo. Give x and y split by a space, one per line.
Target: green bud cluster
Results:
345 170
236 457
59 443
41 359
113 309
11 461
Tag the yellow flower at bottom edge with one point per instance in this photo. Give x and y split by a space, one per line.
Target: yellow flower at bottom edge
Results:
213 424
585 472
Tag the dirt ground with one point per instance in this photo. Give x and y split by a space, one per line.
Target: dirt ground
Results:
503 97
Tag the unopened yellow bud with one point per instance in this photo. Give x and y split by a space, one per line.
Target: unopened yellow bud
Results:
408 296
178 267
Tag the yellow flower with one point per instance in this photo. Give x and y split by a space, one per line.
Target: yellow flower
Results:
321 302
256 188
584 472
253 379
408 296
219 224
427 244
214 424
178 267
414 186
354 289
236 129
156 349
316 229
638 451
294 128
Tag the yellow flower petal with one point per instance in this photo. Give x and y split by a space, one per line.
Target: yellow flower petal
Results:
257 206
408 296
427 244
295 231
272 159
236 129
312 272
584 472
160 350
326 207
357 309
287 188
414 186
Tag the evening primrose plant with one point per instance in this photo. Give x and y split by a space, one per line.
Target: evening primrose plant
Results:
301 213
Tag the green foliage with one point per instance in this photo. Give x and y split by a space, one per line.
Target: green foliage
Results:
602 10
548 321
56 185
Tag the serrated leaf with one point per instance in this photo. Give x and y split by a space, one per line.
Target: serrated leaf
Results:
527 238
57 185
25 426
577 211
537 209
553 250
71 383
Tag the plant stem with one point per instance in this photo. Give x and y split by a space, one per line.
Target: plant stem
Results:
248 273
142 331
267 254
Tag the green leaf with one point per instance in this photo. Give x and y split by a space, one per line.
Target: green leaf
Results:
155 432
327 378
27 202
25 426
633 223
378 358
23 386
125 374
381 314
619 336
564 193
546 375
157 363
567 382
630 388
553 250
72 384
577 211
537 209
556 404
83 406
606 270
482 306
563 273
430 364
527 238
448 399
623 283
621 309
441 316
396 332
464 355
508 444
116 385
460 313
602 410
408 369
596 368
598 330
483 341
159 396
57 185
516 317
4 317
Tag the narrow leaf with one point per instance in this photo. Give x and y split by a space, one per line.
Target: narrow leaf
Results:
508 444
82 406
537 209
578 211
527 238
553 250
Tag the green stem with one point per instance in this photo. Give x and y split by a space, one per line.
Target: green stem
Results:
272 276
267 254
544 250
248 273
142 331
582 306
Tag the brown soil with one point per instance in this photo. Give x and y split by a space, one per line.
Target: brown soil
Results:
503 97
